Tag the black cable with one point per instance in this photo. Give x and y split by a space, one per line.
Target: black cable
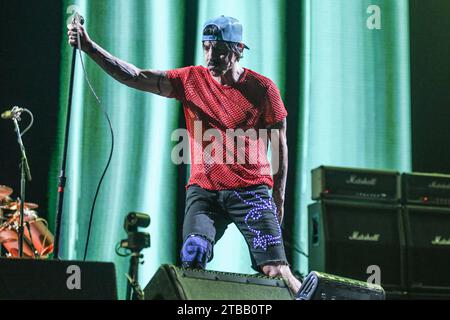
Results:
91 217
288 243
100 183
31 121
118 247
27 224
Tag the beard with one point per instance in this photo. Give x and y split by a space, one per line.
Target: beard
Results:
217 69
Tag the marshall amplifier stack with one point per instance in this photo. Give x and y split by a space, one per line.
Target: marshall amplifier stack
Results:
426 189
356 226
383 227
355 184
426 210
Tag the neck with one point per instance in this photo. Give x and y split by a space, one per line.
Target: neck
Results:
232 76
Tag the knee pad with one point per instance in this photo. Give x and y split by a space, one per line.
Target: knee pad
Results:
196 252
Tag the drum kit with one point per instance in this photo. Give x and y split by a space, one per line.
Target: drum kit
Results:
38 240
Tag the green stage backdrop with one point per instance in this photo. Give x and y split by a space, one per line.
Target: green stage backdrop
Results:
351 106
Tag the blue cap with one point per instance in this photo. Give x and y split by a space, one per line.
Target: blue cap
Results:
230 28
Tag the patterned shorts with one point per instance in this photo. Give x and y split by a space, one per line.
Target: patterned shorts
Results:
208 213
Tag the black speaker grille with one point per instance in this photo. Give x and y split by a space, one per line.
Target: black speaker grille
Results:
428 239
357 236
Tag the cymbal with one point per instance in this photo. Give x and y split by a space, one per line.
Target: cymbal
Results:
16 206
5 191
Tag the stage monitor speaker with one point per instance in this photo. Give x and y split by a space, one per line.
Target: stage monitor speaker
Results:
174 283
428 296
428 243
32 279
322 286
358 241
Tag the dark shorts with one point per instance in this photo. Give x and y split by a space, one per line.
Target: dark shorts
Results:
208 213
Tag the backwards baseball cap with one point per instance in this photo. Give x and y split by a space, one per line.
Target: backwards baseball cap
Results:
230 30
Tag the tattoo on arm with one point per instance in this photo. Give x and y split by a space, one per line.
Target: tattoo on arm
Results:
279 178
159 83
281 154
153 81
117 68
93 49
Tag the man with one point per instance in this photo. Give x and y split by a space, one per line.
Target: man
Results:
221 98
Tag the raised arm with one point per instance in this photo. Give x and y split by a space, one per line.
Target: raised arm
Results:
153 81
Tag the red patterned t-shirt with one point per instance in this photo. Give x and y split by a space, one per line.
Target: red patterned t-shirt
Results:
226 126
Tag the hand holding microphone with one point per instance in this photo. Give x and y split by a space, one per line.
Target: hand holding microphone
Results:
75 30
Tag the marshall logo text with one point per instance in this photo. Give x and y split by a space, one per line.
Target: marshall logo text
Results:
437 185
361 181
439 241
364 237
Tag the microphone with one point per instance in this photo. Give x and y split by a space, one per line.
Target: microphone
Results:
78 19
13 113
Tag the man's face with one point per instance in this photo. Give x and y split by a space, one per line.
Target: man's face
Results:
218 58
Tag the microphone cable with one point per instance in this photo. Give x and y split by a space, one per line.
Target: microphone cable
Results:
112 144
31 122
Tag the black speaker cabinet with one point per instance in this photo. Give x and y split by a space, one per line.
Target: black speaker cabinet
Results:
322 286
428 296
358 241
30 279
428 243
174 283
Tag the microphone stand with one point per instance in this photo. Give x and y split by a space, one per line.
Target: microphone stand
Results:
24 171
62 177
134 291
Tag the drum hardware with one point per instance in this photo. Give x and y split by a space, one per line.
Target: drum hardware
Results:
15 206
37 241
5 192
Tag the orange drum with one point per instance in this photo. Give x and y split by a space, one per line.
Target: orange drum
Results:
37 237
9 238
41 237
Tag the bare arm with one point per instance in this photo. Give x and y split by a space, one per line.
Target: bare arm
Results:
153 81
279 164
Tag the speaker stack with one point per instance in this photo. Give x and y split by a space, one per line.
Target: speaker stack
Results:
374 225
426 208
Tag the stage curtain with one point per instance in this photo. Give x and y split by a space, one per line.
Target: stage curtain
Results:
142 177
354 94
351 103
